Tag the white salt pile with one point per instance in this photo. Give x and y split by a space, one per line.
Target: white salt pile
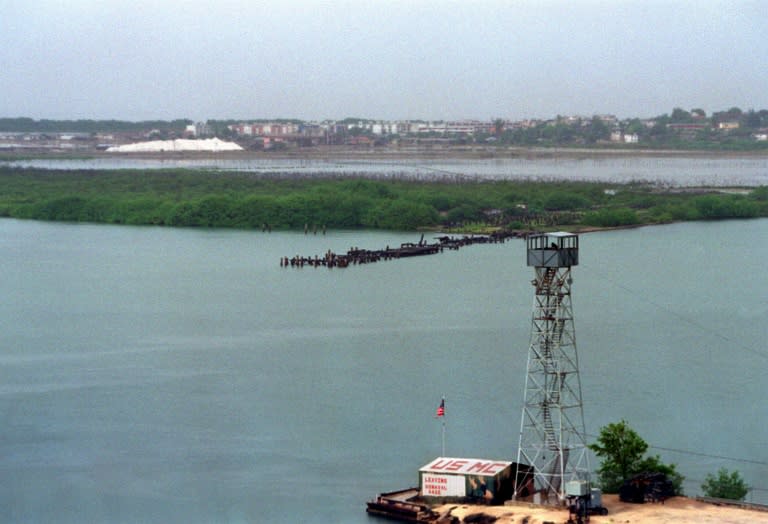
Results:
180 144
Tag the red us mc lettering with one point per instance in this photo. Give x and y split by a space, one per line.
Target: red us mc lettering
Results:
448 465
490 468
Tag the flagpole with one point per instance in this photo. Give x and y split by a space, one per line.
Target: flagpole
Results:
441 414
443 455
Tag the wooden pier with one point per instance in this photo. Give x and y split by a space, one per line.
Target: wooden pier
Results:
356 255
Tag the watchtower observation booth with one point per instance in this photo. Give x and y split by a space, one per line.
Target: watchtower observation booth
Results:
559 249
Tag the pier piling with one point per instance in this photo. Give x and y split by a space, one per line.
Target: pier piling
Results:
356 256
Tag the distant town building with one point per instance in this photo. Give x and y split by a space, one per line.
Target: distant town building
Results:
688 131
627 138
203 129
268 129
608 119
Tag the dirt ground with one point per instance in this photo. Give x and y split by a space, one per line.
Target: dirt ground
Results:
678 510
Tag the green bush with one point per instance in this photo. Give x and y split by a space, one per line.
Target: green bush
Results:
464 213
255 212
611 217
401 215
70 208
760 194
716 207
562 201
622 452
725 485
183 214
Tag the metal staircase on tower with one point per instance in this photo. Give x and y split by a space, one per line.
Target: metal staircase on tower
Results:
552 434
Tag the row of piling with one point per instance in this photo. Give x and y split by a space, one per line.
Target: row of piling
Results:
355 255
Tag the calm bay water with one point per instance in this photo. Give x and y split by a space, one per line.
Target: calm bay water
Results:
164 375
678 171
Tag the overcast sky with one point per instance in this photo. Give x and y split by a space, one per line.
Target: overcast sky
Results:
383 59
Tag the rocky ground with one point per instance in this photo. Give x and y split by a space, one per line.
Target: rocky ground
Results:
678 510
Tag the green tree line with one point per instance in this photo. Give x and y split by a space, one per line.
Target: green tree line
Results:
235 200
29 125
622 453
661 133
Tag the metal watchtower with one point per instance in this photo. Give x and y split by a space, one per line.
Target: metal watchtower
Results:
552 438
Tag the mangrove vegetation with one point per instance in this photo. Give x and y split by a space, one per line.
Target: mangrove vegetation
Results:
241 200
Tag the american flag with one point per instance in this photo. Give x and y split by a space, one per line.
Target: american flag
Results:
441 409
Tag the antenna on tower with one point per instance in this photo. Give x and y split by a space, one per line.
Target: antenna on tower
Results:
552 434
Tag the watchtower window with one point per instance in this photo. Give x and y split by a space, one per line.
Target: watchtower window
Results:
558 249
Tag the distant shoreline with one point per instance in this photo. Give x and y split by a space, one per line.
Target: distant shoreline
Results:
409 152
479 153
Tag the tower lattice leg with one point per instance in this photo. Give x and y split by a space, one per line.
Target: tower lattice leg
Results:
552 428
